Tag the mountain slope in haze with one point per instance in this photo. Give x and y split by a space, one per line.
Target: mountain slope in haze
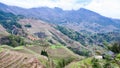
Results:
79 20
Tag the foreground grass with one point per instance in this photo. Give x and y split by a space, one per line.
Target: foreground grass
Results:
19 48
1 49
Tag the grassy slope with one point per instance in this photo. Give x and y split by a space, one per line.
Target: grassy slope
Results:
80 64
25 52
87 63
56 53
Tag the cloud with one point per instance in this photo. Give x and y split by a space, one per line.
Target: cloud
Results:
110 8
65 4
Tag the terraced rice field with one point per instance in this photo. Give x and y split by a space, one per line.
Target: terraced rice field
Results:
12 59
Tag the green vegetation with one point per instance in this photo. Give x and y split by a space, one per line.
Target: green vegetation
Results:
85 63
107 65
82 52
13 41
115 48
43 52
89 38
56 46
77 37
63 62
1 49
61 56
28 25
100 40
71 34
9 21
19 48
95 63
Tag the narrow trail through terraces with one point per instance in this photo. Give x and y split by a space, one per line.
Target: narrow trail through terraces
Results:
13 59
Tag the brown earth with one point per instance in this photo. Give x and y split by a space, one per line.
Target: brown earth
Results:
3 31
13 59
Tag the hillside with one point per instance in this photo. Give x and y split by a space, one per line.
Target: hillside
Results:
33 30
41 30
92 63
38 33
30 56
20 33
37 30
14 59
79 20
3 31
87 38
9 23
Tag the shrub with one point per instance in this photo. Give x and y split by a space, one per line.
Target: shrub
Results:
115 48
95 63
63 62
13 41
107 65
28 25
43 52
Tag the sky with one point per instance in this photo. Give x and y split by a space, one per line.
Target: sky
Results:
109 8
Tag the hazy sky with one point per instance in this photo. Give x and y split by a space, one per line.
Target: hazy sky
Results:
109 8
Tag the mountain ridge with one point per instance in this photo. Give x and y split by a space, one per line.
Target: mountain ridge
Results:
79 20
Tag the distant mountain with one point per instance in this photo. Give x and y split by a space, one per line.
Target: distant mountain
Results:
79 20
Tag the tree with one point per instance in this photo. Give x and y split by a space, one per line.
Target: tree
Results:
107 65
28 25
13 40
43 52
117 60
115 48
44 44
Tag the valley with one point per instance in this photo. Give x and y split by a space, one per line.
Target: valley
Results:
54 38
